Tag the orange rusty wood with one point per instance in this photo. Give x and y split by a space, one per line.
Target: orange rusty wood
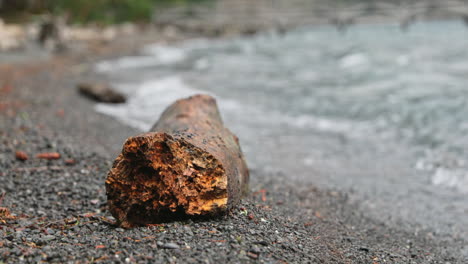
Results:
189 165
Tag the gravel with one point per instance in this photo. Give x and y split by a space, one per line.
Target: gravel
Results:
60 212
57 222
169 245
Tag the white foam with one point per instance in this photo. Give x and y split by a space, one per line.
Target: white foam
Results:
129 62
155 55
165 54
451 178
423 165
202 64
403 60
345 127
354 60
149 101
144 107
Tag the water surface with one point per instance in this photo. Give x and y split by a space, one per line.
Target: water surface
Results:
377 112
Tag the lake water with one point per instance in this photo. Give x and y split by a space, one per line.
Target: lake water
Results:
376 111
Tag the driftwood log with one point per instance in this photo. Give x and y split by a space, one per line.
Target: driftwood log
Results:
188 165
101 92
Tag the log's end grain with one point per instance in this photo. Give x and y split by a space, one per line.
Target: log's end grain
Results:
189 165
158 176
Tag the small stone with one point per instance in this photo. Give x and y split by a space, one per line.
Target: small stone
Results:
365 249
25 222
70 162
255 250
48 155
262 242
188 231
21 155
49 237
71 221
170 246
252 255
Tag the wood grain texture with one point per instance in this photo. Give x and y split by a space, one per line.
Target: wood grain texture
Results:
188 165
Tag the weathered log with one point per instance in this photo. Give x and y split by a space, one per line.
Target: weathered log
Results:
101 92
189 165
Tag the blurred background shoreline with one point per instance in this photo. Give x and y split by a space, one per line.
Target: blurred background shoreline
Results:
38 28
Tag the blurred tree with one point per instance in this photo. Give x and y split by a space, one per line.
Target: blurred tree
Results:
84 11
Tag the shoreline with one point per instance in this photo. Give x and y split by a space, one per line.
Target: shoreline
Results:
219 19
61 209
287 223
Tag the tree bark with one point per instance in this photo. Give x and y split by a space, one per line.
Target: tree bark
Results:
188 165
